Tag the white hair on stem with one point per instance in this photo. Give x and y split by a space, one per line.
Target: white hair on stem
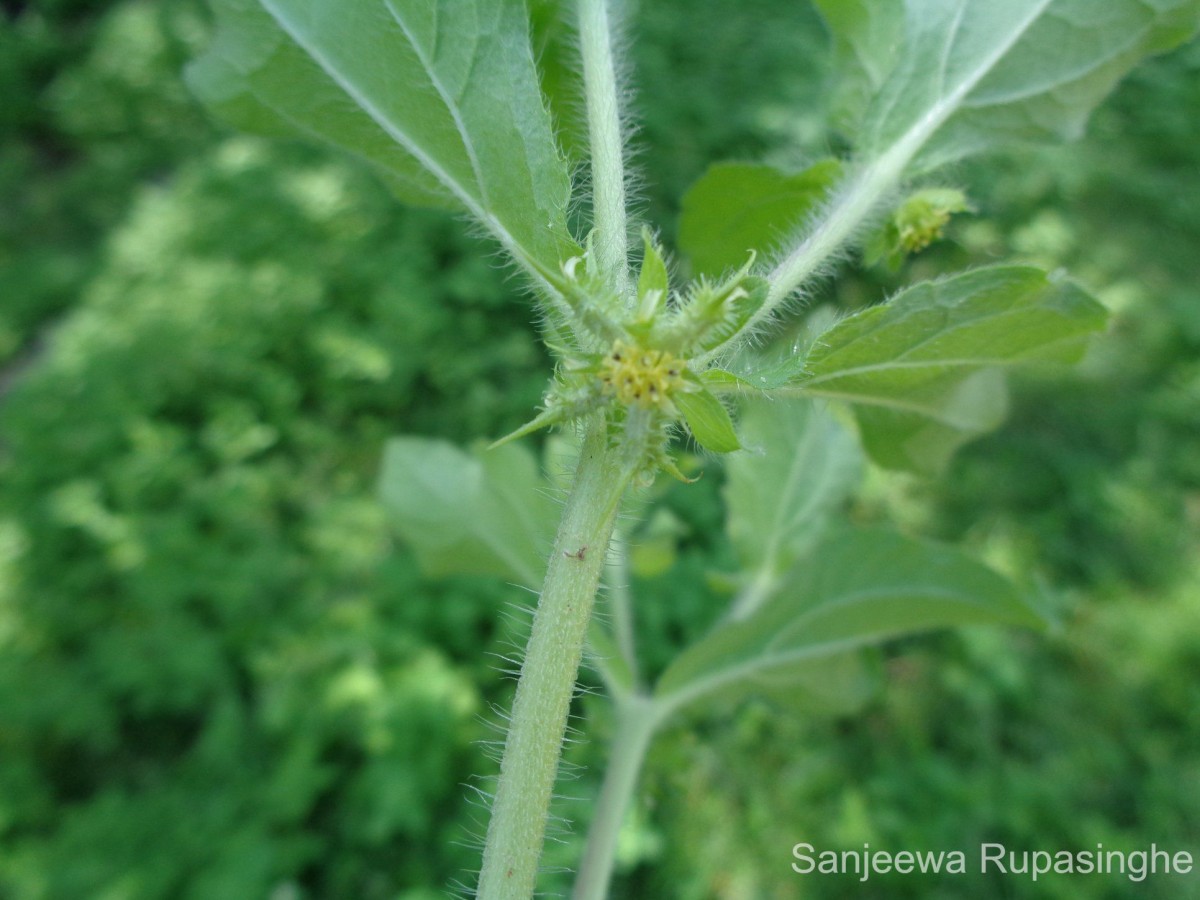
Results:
608 128
814 249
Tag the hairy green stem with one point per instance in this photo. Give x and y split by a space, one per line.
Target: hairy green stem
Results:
845 216
604 136
539 716
852 207
859 197
637 718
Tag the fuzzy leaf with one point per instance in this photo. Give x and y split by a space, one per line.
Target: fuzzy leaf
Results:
836 685
723 381
443 98
708 420
654 282
857 588
758 374
921 368
556 53
867 35
483 513
802 465
971 75
739 208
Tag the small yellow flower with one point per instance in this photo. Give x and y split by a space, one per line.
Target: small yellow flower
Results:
640 377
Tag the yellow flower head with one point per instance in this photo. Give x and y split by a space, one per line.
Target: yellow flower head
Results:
639 377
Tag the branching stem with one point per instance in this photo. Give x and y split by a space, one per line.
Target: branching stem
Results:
851 208
637 718
621 606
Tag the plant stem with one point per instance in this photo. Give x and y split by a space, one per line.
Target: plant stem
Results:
853 206
637 718
539 716
846 214
850 208
604 135
621 606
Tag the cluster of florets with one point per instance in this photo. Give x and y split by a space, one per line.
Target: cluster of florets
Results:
923 229
645 359
922 218
640 377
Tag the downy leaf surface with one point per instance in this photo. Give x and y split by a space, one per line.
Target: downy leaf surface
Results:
867 36
801 464
482 513
921 369
857 588
735 209
840 684
442 97
955 77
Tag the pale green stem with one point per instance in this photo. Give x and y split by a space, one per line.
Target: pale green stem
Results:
852 207
846 215
539 717
604 135
620 604
637 718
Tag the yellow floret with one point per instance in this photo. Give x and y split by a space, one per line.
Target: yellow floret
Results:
640 377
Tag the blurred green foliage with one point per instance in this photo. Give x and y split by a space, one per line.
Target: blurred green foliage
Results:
220 677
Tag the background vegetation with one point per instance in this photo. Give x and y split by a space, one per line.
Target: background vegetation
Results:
221 678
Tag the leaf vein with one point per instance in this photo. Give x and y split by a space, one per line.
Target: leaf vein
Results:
452 105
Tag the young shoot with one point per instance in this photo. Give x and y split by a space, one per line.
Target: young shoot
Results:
447 101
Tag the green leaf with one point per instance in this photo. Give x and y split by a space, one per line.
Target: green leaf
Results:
857 588
836 685
483 513
653 280
739 208
802 466
975 74
759 374
867 36
923 431
556 53
443 98
725 381
708 420
753 372
920 369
